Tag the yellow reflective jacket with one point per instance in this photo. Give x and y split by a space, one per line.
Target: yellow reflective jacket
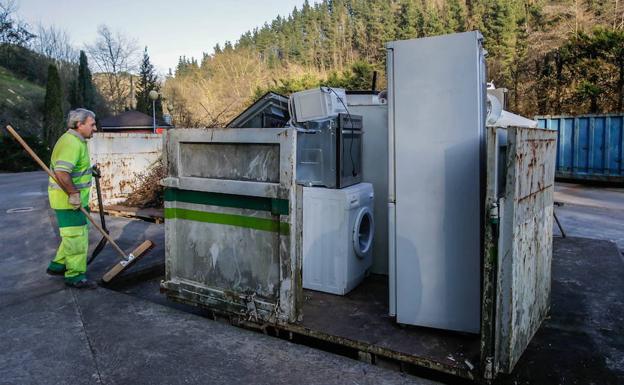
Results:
70 154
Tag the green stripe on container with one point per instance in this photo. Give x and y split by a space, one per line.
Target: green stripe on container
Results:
229 219
69 218
275 206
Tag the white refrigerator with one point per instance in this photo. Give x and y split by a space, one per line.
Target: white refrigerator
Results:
436 123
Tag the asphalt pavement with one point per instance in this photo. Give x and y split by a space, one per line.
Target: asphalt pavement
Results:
51 334
132 335
590 211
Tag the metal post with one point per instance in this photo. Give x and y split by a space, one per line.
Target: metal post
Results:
154 115
153 94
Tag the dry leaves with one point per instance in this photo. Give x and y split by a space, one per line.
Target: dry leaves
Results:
147 190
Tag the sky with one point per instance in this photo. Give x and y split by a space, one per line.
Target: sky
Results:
169 29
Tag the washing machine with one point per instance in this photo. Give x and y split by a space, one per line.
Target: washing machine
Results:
338 228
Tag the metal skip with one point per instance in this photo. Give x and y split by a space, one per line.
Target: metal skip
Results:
590 147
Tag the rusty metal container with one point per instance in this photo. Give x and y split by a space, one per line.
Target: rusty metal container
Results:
121 158
517 243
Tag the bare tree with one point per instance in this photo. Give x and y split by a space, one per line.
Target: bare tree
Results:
54 43
115 57
12 31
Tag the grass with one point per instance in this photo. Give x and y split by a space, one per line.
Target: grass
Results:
20 103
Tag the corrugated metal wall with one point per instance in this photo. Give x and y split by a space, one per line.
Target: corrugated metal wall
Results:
590 147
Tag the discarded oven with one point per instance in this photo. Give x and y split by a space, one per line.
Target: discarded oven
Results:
329 152
233 245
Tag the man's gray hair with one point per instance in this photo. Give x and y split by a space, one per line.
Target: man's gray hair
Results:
79 115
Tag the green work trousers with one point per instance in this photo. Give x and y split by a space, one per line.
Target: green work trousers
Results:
71 255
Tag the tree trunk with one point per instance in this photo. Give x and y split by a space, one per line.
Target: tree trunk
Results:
621 88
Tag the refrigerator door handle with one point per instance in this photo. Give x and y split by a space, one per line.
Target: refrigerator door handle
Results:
392 298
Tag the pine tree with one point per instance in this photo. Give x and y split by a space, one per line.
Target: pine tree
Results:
406 21
53 126
182 68
82 94
86 90
148 81
501 39
455 16
434 25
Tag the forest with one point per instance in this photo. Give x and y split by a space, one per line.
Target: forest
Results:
554 57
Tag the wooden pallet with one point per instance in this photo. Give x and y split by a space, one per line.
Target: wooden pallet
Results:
155 215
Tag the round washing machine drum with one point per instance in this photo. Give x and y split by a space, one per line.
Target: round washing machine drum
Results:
363 230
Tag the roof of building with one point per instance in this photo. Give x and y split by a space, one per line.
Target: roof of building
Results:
271 104
130 119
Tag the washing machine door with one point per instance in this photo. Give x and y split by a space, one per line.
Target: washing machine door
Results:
363 230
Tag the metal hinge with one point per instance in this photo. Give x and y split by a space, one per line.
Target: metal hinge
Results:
494 216
488 368
252 311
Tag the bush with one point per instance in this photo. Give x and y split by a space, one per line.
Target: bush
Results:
15 159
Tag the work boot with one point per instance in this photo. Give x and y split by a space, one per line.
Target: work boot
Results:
54 272
82 284
55 269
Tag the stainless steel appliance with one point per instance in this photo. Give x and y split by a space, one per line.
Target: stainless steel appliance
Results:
329 152
349 150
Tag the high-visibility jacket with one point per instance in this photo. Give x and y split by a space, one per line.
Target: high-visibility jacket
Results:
70 154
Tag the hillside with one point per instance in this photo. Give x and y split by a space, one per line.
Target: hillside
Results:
127 83
20 102
553 56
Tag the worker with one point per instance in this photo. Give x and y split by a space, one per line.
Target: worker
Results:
71 165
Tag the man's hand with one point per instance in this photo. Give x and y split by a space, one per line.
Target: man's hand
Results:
74 200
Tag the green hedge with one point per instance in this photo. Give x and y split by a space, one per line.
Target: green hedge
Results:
15 159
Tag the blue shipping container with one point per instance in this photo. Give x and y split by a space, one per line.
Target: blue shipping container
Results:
590 147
